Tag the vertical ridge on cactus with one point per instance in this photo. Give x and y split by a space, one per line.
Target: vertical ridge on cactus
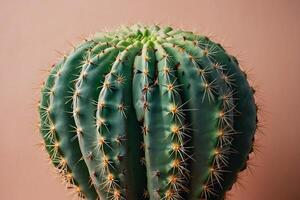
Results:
148 112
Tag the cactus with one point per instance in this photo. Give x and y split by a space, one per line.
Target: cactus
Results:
148 112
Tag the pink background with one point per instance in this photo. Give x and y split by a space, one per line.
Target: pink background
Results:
263 34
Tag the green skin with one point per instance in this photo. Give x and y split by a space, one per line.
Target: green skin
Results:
148 113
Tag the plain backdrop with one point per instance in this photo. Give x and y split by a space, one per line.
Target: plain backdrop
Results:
264 35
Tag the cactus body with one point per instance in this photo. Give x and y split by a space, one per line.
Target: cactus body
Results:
148 113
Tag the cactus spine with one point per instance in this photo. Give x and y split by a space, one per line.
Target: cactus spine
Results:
148 113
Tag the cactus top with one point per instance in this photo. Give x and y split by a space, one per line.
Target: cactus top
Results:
148 112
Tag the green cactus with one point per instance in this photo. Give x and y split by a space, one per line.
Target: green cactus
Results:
148 113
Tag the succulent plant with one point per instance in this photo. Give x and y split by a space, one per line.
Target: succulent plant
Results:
148 112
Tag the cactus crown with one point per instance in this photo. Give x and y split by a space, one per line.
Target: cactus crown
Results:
148 113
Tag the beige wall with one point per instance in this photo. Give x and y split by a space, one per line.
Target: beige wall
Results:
263 34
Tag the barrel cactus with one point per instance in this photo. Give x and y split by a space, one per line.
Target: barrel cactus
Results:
148 112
